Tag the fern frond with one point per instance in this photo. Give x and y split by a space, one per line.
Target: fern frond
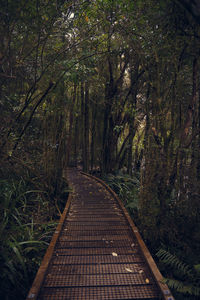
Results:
183 288
173 261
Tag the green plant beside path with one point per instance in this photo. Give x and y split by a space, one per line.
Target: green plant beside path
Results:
127 188
186 277
26 229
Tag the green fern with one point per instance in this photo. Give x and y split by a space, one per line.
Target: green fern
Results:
188 280
173 261
126 187
22 240
182 287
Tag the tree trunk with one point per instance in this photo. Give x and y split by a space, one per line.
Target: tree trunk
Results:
70 130
134 90
130 147
86 130
198 160
93 133
82 121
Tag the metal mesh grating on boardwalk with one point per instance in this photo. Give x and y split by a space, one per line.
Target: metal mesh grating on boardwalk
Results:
96 253
100 293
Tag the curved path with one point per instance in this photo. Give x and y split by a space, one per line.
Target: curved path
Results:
96 251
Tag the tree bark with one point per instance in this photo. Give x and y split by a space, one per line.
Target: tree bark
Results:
93 133
70 131
86 129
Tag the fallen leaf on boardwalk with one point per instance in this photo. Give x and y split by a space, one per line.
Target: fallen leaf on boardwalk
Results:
114 254
129 270
141 271
147 280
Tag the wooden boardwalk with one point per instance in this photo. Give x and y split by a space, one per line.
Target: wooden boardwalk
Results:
96 251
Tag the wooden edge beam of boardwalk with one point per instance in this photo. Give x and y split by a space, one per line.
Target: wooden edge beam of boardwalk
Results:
96 251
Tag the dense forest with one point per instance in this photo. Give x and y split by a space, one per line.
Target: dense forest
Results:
113 87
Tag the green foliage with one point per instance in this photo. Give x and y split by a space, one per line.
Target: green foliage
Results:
126 187
23 240
186 278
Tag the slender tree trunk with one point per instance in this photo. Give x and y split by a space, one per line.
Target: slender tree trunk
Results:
76 142
32 113
86 129
82 122
198 159
134 90
109 94
77 129
130 147
195 150
105 145
93 133
70 131
186 136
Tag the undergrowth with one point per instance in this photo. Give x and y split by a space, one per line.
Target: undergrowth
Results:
184 279
181 269
27 222
127 188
